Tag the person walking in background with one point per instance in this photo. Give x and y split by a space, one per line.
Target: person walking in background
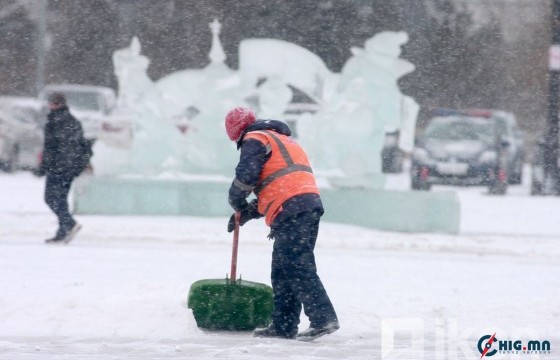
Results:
276 169
66 154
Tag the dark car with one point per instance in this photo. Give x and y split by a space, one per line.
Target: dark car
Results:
461 148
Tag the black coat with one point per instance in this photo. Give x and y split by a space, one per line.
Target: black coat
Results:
65 152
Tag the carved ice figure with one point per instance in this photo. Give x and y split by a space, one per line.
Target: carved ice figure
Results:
263 58
274 97
151 150
280 70
180 90
346 137
206 94
339 139
381 54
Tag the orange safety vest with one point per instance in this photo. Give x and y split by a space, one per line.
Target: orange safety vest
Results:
285 174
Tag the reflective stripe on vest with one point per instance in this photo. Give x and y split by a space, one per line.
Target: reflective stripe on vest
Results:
291 167
271 198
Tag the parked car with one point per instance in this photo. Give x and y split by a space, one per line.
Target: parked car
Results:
25 109
89 104
465 148
20 144
21 133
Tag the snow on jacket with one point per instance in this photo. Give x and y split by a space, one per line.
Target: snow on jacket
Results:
65 151
248 175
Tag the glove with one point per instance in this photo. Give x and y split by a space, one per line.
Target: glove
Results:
249 213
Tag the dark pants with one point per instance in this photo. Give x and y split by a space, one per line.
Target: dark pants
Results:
56 197
294 275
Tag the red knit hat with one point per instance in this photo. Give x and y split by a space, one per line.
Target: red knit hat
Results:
237 120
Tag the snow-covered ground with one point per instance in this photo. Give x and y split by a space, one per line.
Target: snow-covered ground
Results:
119 290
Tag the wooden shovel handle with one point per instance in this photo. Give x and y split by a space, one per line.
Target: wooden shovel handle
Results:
233 272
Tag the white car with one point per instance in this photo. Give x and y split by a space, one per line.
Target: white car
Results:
21 133
88 103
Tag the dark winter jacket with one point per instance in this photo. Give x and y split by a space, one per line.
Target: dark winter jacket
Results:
65 152
252 158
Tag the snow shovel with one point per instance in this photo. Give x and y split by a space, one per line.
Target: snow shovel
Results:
230 304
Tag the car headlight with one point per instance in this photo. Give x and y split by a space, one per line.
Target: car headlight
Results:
421 155
488 157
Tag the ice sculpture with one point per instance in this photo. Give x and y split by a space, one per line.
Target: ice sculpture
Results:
179 136
178 120
345 138
274 96
151 148
294 65
203 97
381 57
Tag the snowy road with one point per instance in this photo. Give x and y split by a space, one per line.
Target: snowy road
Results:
118 291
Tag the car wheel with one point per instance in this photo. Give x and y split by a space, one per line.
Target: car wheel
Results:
516 176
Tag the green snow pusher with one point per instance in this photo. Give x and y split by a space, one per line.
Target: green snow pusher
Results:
230 304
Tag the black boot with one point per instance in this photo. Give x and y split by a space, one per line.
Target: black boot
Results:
65 235
272 332
59 236
315 332
71 233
